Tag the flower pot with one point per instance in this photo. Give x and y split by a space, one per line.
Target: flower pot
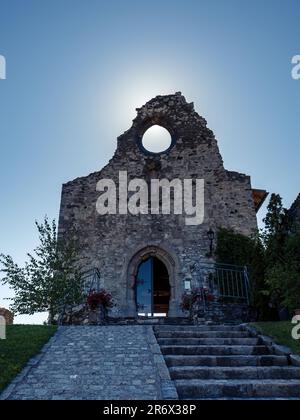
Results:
297 312
93 317
97 316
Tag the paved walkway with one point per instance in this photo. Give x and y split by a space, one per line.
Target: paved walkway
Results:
103 363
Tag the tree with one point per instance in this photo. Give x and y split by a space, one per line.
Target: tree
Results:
276 230
283 278
273 257
51 278
275 216
234 248
282 242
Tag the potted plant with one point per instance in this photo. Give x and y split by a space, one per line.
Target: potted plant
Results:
98 303
297 312
191 300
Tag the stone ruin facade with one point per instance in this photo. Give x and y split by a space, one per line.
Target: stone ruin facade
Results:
294 211
7 315
118 244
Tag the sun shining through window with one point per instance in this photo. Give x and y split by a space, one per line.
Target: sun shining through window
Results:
157 139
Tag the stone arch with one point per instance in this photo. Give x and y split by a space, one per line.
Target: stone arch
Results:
171 263
158 119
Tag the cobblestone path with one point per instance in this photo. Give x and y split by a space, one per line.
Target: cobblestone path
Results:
103 363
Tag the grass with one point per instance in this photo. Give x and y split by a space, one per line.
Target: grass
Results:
281 332
22 342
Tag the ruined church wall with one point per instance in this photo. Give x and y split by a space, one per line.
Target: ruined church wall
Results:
110 242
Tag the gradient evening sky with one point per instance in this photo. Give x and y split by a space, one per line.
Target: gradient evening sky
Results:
76 71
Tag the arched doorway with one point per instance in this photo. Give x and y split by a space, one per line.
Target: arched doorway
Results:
152 288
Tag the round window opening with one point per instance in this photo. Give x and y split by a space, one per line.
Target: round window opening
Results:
157 139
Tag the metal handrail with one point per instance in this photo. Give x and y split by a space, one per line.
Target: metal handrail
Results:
92 282
226 281
247 283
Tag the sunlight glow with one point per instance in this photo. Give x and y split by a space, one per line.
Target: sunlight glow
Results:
157 139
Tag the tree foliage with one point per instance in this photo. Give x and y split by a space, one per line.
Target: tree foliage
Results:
282 242
276 230
234 248
273 257
50 278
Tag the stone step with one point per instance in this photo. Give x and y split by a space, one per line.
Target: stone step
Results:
207 334
231 361
225 362
215 350
198 388
244 399
198 328
209 341
198 372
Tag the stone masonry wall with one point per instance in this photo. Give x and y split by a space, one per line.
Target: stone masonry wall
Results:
111 242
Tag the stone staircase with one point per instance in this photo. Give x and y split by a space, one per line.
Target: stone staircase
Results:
225 362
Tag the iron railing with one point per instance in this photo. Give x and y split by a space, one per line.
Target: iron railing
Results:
91 281
228 283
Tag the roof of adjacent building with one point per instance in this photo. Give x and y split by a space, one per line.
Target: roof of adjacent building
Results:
259 197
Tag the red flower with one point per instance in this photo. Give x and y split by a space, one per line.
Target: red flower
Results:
95 299
198 295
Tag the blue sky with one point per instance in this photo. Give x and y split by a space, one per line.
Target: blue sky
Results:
76 71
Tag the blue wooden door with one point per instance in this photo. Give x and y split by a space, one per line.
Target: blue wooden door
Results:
144 288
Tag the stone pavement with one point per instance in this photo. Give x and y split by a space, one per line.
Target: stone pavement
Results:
99 363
